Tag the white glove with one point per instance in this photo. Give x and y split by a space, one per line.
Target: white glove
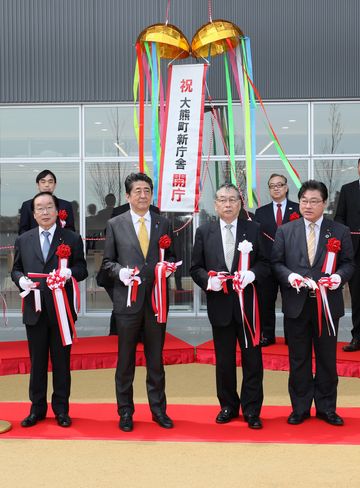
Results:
293 277
66 272
215 283
26 284
125 275
246 278
337 281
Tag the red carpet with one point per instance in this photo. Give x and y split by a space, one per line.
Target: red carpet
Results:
275 357
193 423
92 353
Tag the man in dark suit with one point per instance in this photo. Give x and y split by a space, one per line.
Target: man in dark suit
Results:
300 260
270 217
46 181
35 252
132 241
216 249
348 213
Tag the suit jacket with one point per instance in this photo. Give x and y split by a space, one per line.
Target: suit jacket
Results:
122 249
289 255
348 210
208 254
265 216
28 222
28 258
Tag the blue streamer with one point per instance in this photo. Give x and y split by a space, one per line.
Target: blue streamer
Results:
154 116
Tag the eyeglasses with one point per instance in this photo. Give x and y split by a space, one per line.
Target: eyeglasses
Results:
313 202
231 200
43 210
274 186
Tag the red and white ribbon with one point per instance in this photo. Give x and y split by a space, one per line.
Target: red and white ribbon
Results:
223 277
254 329
329 265
37 298
163 269
133 285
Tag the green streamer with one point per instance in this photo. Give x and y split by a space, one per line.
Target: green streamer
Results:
231 122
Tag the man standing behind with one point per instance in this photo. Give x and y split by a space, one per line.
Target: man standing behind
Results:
216 250
35 252
132 241
309 252
270 217
348 213
46 181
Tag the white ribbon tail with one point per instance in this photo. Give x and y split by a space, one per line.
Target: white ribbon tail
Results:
64 323
128 301
37 298
241 300
327 307
330 263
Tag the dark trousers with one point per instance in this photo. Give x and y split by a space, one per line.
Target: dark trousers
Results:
44 337
304 387
354 287
128 330
251 395
267 293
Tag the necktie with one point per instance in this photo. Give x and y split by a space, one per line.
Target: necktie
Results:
278 215
311 241
143 236
46 244
229 246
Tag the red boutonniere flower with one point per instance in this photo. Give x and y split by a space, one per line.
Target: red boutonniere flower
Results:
294 216
63 251
164 241
63 215
333 245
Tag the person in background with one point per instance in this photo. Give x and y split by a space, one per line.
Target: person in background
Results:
45 181
270 217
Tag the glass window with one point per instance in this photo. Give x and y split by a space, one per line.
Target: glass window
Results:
336 128
109 131
43 132
17 184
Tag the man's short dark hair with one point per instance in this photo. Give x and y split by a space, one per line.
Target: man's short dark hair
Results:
134 177
274 175
110 200
44 173
314 185
55 199
228 186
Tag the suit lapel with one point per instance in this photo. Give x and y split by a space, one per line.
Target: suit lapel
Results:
300 238
241 235
154 233
56 241
36 243
325 233
289 209
214 238
130 232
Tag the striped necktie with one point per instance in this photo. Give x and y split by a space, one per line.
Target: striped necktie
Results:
229 246
311 243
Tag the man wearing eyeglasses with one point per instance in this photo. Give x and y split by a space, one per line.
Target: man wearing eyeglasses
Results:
312 257
35 252
216 254
45 181
270 217
348 213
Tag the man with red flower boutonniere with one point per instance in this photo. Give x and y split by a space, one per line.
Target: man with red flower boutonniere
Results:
139 258
312 258
46 182
270 217
348 213
228 262
48 264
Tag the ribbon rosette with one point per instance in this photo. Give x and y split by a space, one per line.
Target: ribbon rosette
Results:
164 243
63 215
294 216
63 252
245 247
333 246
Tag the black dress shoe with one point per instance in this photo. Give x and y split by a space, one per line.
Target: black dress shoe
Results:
31 420
266 341
63 420
163 420
126 423
297 418
253 421
331 418
225 415
353 346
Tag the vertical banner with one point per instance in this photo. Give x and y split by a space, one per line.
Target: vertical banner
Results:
181 155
